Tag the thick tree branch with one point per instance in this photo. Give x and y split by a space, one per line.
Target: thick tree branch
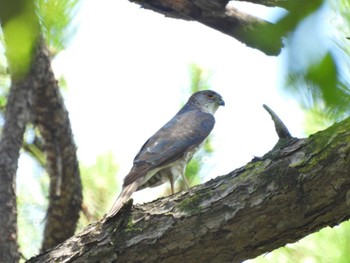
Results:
39 88
52 119
272 201
16 118
33 82
252 31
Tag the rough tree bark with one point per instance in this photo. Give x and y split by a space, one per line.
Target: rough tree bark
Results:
299 187
51 118
250 30
35 97
16 118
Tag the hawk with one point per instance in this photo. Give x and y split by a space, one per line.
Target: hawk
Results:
164 156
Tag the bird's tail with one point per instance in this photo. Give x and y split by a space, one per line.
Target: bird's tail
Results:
123 198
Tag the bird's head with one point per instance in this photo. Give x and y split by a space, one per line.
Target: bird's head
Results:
207 100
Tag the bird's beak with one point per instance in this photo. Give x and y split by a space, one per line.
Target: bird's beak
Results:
221 102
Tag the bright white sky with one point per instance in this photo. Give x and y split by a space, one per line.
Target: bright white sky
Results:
126 71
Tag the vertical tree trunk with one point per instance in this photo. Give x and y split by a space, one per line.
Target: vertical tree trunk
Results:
51 118
30 67
16 118
17 115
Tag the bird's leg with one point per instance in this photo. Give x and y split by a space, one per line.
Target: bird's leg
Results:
171 180
183 175
185 180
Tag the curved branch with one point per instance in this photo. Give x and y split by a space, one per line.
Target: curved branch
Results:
255 209
51 117
281 129
16 119
284 136
250 30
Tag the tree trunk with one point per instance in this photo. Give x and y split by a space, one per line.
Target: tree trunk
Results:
16 118
38 94
287 194
51 117
34 83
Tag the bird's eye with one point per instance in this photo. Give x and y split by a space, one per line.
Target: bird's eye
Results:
210 96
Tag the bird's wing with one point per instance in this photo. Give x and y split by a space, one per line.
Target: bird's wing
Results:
181 134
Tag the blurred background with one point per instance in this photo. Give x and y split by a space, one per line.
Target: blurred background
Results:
124 71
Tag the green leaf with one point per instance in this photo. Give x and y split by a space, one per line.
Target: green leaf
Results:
325 75
21 31
56 18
